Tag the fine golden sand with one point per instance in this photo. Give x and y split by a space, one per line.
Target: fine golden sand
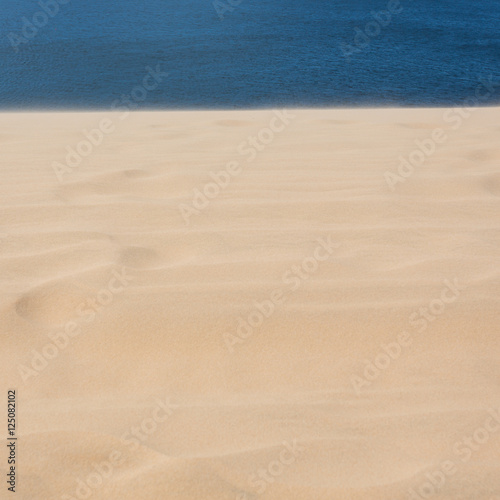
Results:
252 305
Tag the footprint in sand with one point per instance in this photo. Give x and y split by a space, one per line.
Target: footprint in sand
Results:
101 185
233 123
491 183
139 257
483 155
51 304
135 173
338 122
417 126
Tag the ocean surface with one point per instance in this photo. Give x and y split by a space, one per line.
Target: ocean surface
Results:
248 53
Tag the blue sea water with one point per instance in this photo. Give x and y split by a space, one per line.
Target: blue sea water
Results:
261 53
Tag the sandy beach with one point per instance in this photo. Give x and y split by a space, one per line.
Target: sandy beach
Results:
252 305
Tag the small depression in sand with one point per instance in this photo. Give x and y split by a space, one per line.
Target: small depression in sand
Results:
135 173
139 257
492 184
51 304
484 154
233 123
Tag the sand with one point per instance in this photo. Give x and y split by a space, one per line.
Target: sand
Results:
243 305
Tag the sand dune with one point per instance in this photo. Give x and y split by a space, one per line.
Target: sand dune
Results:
251 305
